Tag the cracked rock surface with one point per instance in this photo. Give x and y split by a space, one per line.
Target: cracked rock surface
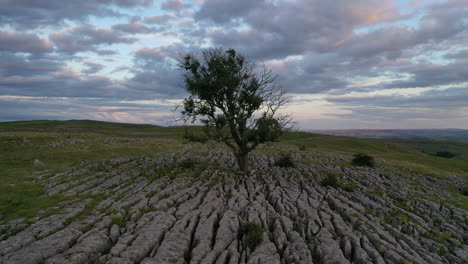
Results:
190 207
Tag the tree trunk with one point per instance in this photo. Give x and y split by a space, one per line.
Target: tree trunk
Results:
243 161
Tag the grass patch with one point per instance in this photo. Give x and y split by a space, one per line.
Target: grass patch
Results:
362 159
118 220
398 155
88 209
252 233
285 161
331 180
25 200
438 237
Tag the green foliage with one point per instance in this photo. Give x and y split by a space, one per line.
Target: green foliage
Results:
228 95
445 154
438 237
442 251
463 190
189 163
285 161
271 236
228 195
195 137
331 180
252 233
362 159
347 186
118 220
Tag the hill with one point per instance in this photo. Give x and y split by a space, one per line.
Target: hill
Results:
439 134
122 193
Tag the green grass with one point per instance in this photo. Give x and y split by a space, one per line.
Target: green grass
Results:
438 237
431 147
21 197
252 233
118 220
385 153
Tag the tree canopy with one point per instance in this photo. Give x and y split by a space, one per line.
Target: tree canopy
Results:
234 97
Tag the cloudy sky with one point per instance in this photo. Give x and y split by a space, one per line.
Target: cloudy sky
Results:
345 64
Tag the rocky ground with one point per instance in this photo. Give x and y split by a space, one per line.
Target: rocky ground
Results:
191 207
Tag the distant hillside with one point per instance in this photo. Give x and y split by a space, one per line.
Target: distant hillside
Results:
443 134
67 124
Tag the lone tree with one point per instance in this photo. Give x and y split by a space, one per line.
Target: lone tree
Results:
232 97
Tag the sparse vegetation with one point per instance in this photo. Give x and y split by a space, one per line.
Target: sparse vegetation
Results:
362 159
192 136
118 220
445 154
285 161
330 180
438 237
251 233
463 190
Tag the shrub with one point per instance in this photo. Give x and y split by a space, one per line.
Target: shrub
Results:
252 233
118 220
348 186
285 161
330 180
463 190
445 154
189 163
362 159
195 137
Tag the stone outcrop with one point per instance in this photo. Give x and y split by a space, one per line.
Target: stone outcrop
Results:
189 206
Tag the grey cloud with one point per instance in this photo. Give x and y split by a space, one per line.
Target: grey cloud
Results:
223 11
156 81
438 26
21 42
426 74
176 5
400 115
92 67
30 108
158 19
87 37
155 74
174 51
279 29
62 84
18 65
105 52
132 28
433 99
32 13
462 54
120 68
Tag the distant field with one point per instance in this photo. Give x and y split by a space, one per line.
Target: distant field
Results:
431 147
62 144
437 134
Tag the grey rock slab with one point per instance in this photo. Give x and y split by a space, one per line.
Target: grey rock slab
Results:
85 251
39 250
148 237
38 164
265 254
176 243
